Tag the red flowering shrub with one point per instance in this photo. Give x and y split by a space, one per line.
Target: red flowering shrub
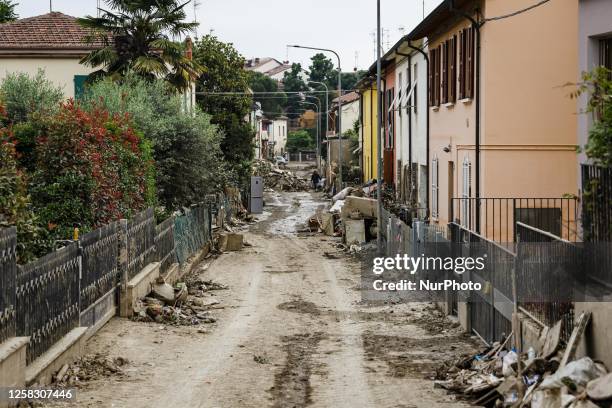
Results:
92 168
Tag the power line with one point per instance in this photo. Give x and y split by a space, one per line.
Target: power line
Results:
516 13
265 93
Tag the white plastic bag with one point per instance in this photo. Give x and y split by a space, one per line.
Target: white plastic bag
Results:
509 359
577 373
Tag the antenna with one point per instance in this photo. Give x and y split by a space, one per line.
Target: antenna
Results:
373 35
356 61
402 30
196 4
423 9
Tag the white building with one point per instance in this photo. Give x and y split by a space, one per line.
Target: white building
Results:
53 42
411 124
271 137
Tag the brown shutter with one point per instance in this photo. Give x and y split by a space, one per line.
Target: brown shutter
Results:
469 80
452 75
430 99
461 64
444 72
437 76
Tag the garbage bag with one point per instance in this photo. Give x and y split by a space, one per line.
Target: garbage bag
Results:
575 374
509 359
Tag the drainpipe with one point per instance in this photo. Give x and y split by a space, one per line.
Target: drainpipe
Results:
476 25
417 49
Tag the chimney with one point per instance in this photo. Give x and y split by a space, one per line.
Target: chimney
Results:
257 60
189 48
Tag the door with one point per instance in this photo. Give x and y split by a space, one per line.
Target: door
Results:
451 189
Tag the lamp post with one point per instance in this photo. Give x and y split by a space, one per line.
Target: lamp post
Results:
318 115
326 119
379 125
339 105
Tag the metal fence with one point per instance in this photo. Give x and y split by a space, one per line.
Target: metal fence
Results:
8 271
597 222
140 242
100 260
192 231
495 218
164 244
48 299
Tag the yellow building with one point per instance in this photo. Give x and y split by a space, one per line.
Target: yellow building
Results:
369 135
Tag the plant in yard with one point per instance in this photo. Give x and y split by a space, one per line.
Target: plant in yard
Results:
26 95
7 11
15 205
224 72
597 84
138 35
91 169
185 147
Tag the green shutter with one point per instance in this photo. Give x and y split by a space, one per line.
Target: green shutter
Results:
79 86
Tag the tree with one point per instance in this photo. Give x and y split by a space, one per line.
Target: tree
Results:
350 79
293 82
7 11
299 140
322 69
137 36
186 147
223 72
272 104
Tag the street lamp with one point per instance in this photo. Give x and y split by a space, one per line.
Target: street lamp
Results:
318 123
339 104
326 118
318 115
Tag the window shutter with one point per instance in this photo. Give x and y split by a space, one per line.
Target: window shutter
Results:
444 72
452 77
469 80
434 187
430 84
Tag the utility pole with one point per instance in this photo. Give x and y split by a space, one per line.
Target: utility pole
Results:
379 132
50 6
326 121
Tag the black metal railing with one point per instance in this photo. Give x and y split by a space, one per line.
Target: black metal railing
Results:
100 259
48 299
495 218
140 242
597 203
8 270
192 231
164 244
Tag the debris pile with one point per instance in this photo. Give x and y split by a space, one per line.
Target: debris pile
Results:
544 378
185 304
88 368
277 179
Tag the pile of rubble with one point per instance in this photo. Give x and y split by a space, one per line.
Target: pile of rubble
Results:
185 304
88 368
549 377
277 179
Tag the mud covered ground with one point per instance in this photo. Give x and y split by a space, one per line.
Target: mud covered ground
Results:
291 331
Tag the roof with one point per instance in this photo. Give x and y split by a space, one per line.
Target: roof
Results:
347 98
52 31
277 70
258 62
438 17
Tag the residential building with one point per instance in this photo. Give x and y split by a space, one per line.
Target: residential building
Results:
271 137
270 67
501 122
53 42
368 133
350 113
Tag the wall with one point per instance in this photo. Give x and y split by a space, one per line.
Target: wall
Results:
60 71
369 135
526 109
278 134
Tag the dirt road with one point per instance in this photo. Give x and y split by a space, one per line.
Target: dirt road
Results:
292 333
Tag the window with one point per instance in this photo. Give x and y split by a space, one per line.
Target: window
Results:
399 93
444 72
466 63
434 187
79 86
605 53
390 117
434 76
452 71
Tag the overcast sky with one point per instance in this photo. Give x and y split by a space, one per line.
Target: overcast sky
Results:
264 28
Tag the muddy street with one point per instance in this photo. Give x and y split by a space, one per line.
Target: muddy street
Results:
290 331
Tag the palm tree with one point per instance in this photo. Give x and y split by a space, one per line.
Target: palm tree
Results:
138 36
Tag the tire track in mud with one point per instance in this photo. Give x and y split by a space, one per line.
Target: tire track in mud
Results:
292 386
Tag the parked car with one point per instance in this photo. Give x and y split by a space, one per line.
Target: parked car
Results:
281 161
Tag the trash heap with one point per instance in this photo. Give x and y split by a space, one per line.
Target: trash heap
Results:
186 304
549 377
277 179
88 368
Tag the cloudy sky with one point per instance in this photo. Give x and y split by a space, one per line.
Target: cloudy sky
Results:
263 28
